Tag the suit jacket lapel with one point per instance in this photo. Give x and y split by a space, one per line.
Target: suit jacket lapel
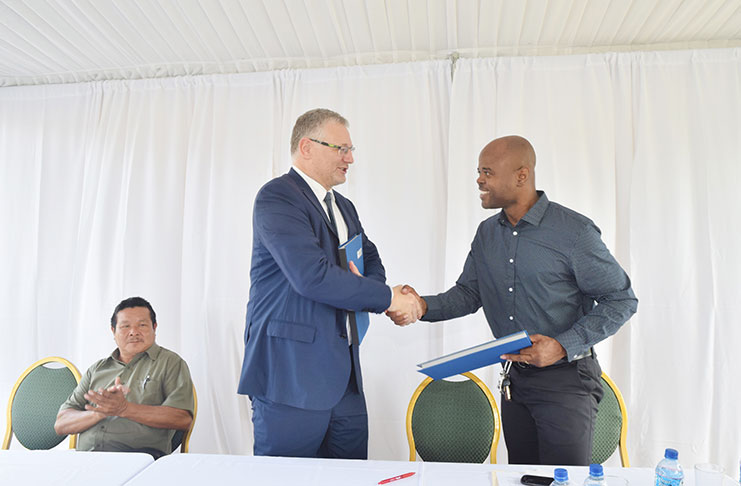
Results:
312 199
347 215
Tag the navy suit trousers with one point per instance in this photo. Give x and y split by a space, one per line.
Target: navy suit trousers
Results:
340 432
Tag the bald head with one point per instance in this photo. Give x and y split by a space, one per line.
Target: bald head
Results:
515 150
507 175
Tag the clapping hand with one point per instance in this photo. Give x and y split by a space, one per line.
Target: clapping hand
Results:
110 401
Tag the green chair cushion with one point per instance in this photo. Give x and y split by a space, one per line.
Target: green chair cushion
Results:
453 421
607 426
36 405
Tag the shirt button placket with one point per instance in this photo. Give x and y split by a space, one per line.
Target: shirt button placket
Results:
511 288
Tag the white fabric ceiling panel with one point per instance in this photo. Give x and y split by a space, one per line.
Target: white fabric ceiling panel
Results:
56 41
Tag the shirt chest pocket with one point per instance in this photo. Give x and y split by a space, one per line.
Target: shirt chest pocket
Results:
150 391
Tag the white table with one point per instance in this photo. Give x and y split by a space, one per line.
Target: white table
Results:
206 469
59 467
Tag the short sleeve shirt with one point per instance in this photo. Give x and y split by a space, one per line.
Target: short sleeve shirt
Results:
156 376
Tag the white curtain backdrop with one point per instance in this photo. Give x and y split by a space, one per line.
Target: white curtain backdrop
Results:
146 187
120 188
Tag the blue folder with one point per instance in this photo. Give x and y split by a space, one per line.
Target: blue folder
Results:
475 357
352 251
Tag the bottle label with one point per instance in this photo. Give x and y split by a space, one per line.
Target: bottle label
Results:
665 481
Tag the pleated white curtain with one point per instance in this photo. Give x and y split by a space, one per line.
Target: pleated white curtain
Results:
124 188
684 246
135 188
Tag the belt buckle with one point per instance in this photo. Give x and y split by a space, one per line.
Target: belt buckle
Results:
583 355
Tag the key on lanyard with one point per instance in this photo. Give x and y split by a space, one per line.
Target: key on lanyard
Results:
504 381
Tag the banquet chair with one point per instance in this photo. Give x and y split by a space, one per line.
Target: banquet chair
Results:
182 437
453 421
34 403
611 426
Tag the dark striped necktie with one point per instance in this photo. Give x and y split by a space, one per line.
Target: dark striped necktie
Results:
328 202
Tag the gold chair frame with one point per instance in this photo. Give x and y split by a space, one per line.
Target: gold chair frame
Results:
624 426
184 445
8 417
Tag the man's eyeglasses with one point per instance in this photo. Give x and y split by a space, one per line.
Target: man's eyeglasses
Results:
341 149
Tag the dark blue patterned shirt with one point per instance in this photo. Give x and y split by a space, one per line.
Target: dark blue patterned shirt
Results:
550 274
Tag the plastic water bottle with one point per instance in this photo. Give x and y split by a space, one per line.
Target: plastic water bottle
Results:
668 471
596 476
560 477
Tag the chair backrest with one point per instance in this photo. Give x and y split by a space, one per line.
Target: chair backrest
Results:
34 403
611 427
453 421
182 437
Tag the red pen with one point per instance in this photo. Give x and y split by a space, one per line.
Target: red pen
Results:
396 478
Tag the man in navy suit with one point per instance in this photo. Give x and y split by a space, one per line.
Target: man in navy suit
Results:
301 367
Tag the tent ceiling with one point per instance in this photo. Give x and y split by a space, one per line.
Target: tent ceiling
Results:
57 41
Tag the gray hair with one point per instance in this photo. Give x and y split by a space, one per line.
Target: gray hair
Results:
309 124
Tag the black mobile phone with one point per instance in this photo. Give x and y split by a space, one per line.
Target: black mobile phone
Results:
531 480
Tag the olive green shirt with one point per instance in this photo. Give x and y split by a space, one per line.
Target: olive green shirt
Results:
156 376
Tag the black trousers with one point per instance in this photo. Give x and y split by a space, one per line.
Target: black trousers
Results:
550 419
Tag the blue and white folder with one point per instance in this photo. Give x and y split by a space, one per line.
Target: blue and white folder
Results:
352 251
476 357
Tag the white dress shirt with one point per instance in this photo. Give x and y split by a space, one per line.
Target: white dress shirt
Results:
320 192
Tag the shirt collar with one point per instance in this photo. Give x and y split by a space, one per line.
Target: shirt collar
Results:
319 191
535 214
153 351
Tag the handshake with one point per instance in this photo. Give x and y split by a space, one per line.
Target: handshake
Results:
406 306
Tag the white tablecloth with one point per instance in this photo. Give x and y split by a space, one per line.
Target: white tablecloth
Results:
212 469
60 467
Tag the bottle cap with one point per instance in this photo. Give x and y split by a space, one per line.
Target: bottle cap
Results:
671 453
596 470
560 474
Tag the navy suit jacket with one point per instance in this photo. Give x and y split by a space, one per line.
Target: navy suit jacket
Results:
296 350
